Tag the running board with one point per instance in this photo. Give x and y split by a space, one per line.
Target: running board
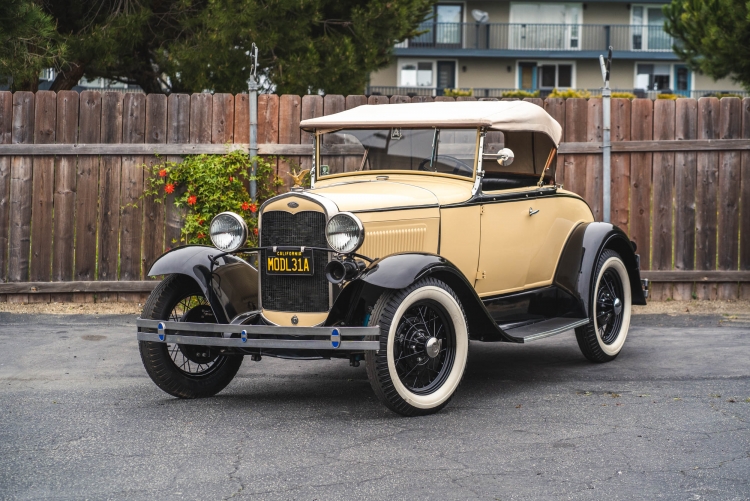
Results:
546 328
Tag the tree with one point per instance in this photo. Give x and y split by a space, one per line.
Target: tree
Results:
713 36
28 44
196 45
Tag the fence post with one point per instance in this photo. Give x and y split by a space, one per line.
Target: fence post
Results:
253 98
606 143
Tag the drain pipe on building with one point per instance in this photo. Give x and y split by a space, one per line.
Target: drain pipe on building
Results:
253 98
606 139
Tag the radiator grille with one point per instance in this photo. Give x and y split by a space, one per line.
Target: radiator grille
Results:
295 293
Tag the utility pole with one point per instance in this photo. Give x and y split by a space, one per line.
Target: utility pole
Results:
253 91
606 139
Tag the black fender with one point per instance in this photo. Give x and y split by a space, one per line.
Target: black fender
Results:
231 290
575 269
398 271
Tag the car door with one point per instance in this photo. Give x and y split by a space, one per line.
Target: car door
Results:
521 239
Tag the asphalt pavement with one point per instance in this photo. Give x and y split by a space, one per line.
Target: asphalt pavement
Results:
668 419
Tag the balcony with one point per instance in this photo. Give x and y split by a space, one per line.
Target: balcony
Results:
540 37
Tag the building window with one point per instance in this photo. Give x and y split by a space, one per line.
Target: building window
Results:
545 75
545 25
647 27
652 76
416 74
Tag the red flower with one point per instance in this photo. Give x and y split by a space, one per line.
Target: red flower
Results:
169 188
245 206
231 179
163 173
201 221
192 199
255 231
200 236
253 208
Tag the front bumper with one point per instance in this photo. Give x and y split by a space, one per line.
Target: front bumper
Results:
259 336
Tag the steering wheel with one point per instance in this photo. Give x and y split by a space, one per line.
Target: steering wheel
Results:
459 166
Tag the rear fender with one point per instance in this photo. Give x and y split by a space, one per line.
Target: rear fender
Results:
575 269
399 271
231 290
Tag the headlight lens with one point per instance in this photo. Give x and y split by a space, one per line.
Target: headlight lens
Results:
345 233
228 231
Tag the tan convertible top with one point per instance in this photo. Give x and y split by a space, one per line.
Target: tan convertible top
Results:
501 115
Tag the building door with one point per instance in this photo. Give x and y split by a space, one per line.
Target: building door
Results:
527 76
446 75
681 80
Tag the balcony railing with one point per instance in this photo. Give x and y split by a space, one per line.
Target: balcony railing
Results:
506 36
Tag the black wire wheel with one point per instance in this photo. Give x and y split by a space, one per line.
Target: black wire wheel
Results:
185 371
423 348
609 312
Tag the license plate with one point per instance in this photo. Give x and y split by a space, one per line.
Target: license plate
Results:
289 262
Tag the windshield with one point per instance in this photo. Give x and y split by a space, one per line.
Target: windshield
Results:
445 151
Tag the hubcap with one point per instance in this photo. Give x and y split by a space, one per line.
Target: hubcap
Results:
424 347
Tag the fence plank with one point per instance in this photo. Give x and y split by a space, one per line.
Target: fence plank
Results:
663 181
686 128
87 187
20 191
268 122
312 107
745 201
178 132
351 163
153 210
133 131
378 100
290 109
45 114
6 128
110 176
63 233
706 195
576 118
334 103
396 100
222 119
620 187
593 163
241 119
556 109
641 129
730 127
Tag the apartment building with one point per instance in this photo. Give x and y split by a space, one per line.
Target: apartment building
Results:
492 47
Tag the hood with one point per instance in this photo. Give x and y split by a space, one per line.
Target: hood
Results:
362 195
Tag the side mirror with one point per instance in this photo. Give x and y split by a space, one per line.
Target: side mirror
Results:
505 157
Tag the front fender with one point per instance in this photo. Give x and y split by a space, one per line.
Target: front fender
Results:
231 290
399 271
575 269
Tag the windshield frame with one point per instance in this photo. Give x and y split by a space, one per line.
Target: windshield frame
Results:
386 172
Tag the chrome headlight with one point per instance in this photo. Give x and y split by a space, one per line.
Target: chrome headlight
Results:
228 231
345 233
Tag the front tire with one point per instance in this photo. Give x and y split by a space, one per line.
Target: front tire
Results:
602 339
184 371
424 346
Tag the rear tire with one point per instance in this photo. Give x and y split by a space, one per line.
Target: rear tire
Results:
184 371
602 339
423 348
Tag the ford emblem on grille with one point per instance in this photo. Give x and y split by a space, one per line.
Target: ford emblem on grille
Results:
335 338
293 205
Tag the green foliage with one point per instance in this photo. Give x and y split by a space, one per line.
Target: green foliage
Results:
570 93
458 92
195 45
520 93
28 44
667 96
623 95
713 36
206 185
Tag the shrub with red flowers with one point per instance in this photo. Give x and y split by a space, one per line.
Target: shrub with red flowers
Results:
206 185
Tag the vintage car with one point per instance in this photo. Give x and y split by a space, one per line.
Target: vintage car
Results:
426 226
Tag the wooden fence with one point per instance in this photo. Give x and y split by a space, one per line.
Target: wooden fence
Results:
71 163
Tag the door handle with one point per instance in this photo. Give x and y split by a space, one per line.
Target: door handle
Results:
532 211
